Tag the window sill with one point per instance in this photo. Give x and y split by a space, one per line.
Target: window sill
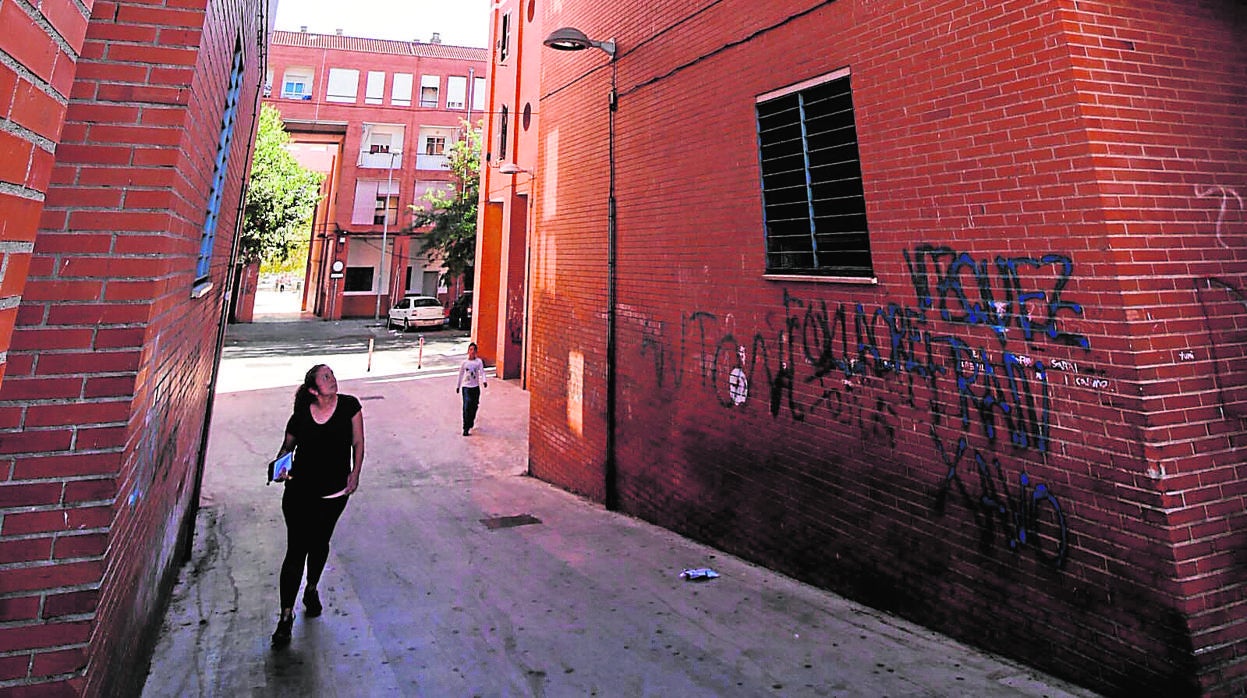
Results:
201 289
846 280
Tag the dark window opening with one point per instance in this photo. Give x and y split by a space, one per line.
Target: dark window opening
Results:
504 40
814 207
502 134
358 279
386 212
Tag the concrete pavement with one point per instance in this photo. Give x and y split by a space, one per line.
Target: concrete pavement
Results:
452 573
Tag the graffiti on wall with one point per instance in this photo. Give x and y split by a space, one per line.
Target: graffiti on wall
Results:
158 449
1228 197
863 367
1224 308
1020 511
1223 303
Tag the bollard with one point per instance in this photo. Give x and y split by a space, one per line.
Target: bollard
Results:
370 341
420 355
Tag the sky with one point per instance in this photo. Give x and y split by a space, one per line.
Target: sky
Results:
460 22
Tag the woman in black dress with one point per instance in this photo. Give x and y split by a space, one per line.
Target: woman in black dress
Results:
326 433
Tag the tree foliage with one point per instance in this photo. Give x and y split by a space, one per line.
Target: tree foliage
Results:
450 216
281 196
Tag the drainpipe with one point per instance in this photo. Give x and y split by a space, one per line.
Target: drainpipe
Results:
612 486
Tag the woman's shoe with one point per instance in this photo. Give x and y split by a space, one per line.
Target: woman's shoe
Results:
281 636
311 602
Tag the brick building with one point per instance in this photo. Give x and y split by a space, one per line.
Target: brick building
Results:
937 305
124 149
509 155
377 117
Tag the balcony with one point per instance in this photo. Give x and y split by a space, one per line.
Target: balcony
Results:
385 161
432 162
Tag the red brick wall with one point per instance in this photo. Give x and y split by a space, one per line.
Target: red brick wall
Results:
1008 148
43 40
567 356
112 357
1162 94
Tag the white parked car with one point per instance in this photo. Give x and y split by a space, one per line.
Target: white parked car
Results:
417 311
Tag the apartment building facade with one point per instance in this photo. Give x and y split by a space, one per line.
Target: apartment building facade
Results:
124 149
377 117
938 306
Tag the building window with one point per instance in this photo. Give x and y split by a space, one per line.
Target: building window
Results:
229 119
400 92
504 38
456 91
386 212
358 280
424 187
502 133
343 85
372 199
478 94
813 203
296 83
374 89
429 85
431 154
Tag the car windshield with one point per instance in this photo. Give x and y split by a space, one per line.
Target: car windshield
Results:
424 302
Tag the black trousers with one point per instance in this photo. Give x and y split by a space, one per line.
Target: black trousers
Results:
471 400
309 525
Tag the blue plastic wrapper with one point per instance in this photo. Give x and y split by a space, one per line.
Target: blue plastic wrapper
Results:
699 574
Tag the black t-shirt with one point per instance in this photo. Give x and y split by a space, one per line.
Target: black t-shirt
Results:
322 453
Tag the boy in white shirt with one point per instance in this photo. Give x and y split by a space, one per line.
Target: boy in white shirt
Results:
471 378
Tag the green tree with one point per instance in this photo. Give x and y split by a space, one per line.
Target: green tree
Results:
281 195
450 216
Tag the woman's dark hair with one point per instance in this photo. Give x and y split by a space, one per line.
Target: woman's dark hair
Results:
303 396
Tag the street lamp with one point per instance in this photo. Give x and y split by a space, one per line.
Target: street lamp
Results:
385 229
572 39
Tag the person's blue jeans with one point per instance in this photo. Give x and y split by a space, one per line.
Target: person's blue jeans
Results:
471 400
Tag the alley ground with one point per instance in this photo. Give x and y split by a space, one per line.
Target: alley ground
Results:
454 574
